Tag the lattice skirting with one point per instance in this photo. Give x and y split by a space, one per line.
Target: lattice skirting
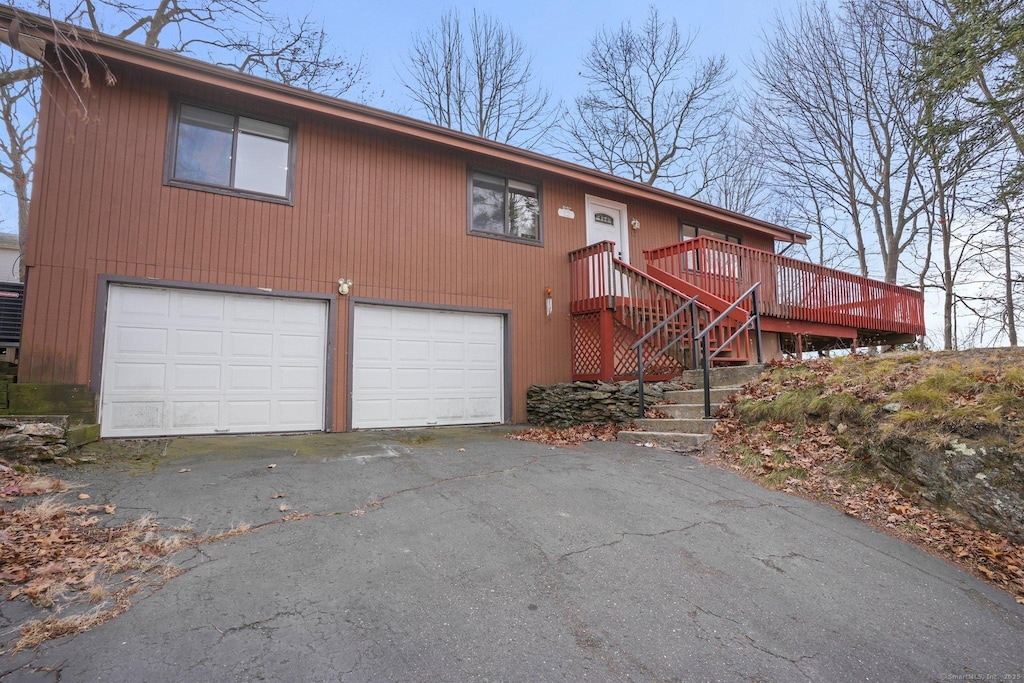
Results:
587 344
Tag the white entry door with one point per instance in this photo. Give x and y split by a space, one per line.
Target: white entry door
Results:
606 221
180 361
418 367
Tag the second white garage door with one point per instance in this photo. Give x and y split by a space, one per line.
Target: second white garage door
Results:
414 367
179 361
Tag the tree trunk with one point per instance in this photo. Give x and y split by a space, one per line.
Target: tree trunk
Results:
1011 322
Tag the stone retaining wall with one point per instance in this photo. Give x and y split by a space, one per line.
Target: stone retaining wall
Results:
565 405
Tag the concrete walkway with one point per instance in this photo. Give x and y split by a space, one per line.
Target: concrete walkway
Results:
510 561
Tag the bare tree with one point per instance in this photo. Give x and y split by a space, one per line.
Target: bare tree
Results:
838 124
478 79
238 34
739 179
653 112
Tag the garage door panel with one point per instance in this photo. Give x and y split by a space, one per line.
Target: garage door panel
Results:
296 414
372 411
141 340
135 417
199 342
449 379
410 351
481 380
250 377
219 362
149 303
429 379
411 411
482 407
254 414
302 313
304 378
197 377
488 353
371 379
449 352
200 306
251 345
411 379
140 376
373 349
295 346
195 414
253 310
449 324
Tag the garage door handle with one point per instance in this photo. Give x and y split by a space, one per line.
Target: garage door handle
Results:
219 431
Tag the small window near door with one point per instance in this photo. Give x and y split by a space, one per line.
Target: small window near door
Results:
688 232
504 208
229 153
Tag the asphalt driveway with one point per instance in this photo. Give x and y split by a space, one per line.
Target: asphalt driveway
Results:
470 557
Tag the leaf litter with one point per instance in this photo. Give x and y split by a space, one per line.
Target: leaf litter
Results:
811 457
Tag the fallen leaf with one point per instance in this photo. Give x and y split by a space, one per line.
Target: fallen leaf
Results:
183 470
277 495
462 450
84 496
284 507
271 466
109 509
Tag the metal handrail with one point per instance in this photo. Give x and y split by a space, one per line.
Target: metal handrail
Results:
639 345
754 319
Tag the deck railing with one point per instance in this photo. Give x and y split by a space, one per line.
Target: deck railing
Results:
793 289
609 296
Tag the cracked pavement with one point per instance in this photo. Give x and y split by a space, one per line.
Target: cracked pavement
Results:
514 561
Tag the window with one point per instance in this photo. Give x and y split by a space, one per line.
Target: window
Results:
688 232
214 149
505 208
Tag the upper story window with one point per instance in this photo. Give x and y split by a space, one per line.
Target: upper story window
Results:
688 232
231 153
505 208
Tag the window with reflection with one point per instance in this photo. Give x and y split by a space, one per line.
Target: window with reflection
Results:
504 207
226 151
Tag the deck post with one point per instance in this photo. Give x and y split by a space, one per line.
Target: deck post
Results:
800 347
853 346
607 335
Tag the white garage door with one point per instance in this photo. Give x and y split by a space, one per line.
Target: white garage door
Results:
415 367
179 361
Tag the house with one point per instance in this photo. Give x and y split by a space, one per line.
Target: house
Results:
10 257
210 252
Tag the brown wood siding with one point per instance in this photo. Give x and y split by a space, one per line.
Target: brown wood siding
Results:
388 213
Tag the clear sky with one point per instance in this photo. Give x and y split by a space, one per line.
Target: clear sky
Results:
557 32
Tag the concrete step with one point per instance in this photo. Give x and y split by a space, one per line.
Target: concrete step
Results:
688 426
682 411
696 396
735 376
674 441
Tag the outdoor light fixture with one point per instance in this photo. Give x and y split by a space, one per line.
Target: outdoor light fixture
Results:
547 301
344 286
635 224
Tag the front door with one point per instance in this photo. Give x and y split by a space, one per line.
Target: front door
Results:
606 221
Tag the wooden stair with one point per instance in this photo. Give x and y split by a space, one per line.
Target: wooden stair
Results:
686 429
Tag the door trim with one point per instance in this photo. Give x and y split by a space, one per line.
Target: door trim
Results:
623 243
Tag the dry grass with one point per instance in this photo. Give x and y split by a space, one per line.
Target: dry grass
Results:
813 429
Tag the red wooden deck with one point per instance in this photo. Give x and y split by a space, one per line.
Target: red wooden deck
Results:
613 304
793 290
